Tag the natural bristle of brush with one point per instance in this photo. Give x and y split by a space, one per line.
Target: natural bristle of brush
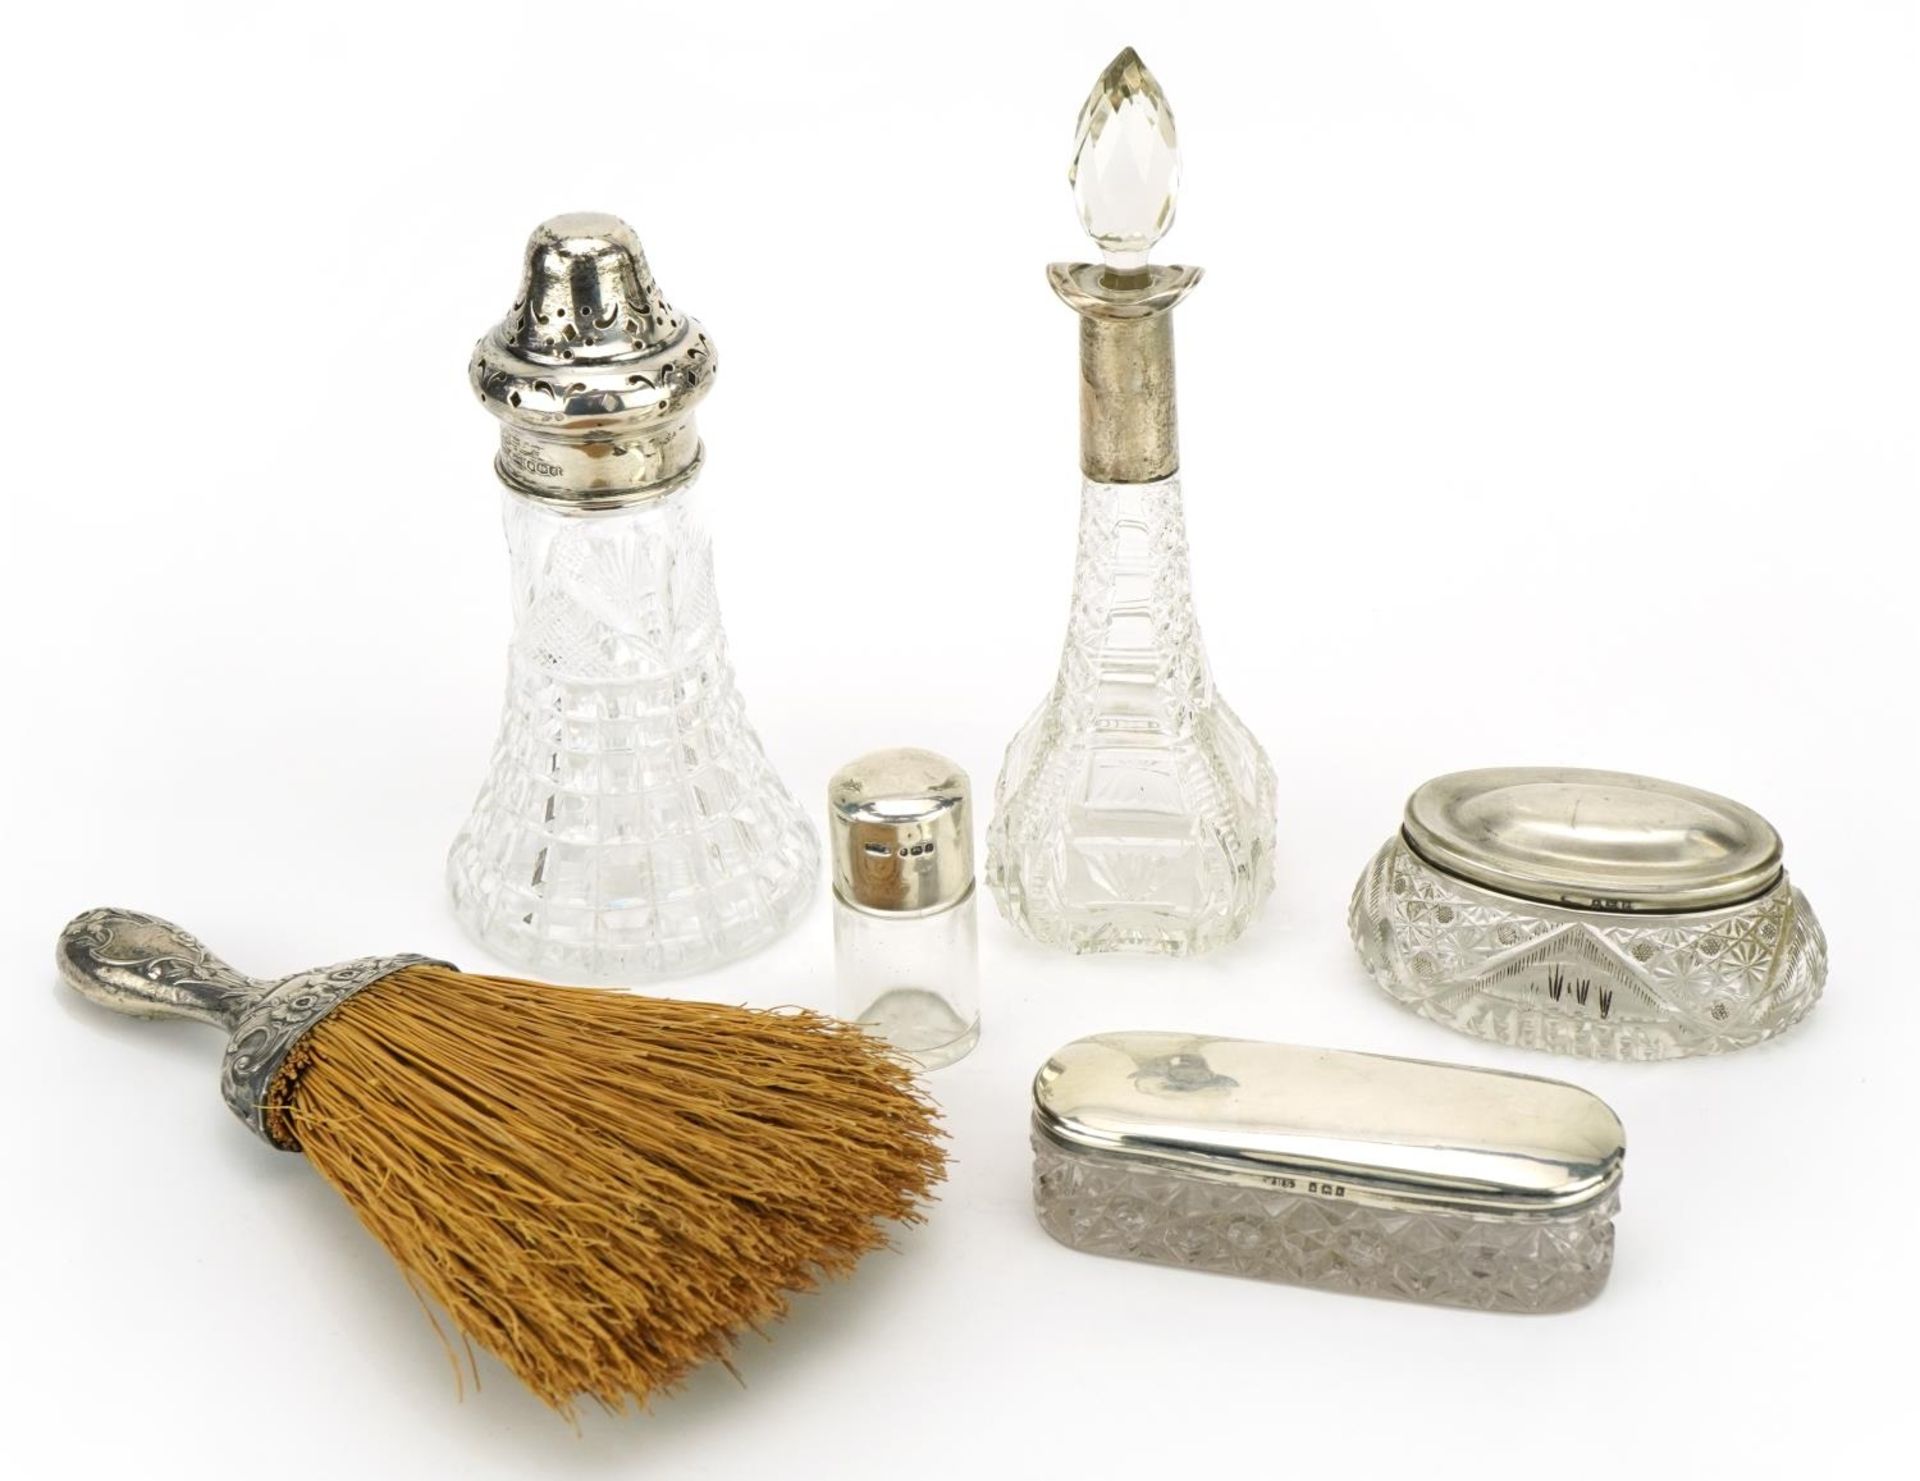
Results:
605 1190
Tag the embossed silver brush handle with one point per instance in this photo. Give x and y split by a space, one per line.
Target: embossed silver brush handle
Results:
147 967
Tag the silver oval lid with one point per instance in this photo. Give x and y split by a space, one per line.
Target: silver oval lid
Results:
1399 1133
1594 840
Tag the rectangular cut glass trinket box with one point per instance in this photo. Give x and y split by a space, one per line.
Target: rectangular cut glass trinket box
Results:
1321 1167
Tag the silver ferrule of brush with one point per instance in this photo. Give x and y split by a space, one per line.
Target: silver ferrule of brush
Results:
146 967
593 375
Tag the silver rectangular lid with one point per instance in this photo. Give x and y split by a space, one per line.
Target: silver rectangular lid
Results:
1400 1133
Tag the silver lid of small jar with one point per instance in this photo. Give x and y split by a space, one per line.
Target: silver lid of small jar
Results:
593 375
1397 1133
1593 840
901 826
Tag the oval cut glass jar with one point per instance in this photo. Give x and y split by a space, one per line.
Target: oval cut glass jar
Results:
1590 913
1320 1167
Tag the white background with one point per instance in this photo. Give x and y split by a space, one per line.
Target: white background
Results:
1551 398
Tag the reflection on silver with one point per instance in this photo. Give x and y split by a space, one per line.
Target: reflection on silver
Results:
1399 1133
1603 840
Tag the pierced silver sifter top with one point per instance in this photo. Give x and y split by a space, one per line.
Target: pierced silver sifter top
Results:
593 375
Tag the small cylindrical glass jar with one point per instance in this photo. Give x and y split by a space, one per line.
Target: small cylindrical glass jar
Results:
904 922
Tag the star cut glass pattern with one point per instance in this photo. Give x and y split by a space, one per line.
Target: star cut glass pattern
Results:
630 826
1507 1262
1126 163
1134 811
1584 983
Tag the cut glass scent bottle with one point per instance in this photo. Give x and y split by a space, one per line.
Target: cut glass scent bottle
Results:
1134 812
630 825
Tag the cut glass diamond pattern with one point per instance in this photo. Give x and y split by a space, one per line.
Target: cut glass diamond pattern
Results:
630 825
1134 811
1534 1262
1126 163
1582 982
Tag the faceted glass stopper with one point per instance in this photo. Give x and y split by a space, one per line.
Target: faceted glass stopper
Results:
1126 163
